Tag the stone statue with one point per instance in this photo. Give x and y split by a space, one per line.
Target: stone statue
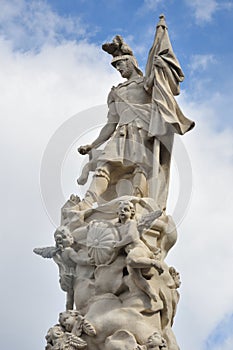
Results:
142 119
120 292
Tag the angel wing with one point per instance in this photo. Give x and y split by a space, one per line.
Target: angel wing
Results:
46 252
147 220
73 342
88 328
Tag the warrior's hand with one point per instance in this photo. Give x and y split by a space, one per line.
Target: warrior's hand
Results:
159 62
85 149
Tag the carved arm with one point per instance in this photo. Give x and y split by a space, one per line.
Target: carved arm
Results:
105 133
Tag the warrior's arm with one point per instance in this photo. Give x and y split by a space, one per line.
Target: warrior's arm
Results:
158 63
108 129
105 133
149 83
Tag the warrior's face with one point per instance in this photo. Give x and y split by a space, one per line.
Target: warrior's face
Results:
125 67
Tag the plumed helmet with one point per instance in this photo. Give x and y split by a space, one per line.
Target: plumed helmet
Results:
121 51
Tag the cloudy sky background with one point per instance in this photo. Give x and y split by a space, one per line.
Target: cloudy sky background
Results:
51 68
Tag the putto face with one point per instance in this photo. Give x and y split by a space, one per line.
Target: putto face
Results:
57 332
155 341
67 320
124 212
54 333
125 67
63 238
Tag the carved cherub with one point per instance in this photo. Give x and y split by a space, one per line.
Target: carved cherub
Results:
139 256
55 338
156 342
59 339
72 321
75 325
67 259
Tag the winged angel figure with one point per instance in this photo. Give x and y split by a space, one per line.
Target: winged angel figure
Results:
67 260
142 119
103 249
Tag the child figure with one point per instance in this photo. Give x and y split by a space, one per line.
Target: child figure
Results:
139 256
55 338
67 260
156 342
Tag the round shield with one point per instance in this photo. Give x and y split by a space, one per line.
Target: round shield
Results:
101 238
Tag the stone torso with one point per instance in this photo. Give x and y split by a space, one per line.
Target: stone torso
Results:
130 102
133 91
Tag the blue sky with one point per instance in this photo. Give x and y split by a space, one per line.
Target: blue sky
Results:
221 334
201 33
52 67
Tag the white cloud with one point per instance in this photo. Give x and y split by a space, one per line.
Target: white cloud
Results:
205 9
31 24
221 337
201 62
226 345
152 4
204 249
39 91
149 6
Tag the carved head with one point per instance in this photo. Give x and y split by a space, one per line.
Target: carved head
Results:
156 342
121 52
54 334
126 66
70 318
63 237
125 211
